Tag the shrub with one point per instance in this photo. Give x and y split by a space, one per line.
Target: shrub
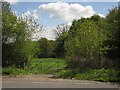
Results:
99 75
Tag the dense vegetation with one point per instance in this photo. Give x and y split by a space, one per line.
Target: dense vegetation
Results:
84 45
90 47
92 43
17 47
46 48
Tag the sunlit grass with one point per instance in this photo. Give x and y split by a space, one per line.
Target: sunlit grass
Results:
38 66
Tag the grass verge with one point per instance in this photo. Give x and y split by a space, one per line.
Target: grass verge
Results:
105 75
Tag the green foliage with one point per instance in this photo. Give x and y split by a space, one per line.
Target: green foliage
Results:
99 75
12 70
62 34
17 47
85 39
104 75
42 45
113 19
46 48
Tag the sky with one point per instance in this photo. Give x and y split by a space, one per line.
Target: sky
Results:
51 14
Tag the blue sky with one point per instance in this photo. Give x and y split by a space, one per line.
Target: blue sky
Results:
51 14
98 7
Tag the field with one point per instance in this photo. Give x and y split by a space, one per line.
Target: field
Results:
38 66
47 65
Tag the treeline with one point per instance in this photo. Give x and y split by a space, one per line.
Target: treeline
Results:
50 48
46 48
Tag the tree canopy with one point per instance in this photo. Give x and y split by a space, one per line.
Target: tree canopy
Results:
85 39
17 46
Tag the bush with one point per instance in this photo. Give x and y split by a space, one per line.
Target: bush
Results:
12 70
99 75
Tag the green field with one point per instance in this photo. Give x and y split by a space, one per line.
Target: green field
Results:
47 65
38 66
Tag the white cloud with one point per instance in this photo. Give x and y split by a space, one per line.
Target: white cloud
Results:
35 14
11 1
67 12
49 33
69 23
101 15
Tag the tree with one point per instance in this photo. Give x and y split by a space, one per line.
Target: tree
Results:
17 46
45 48
113 20
42 45
51 49
85 42
61 32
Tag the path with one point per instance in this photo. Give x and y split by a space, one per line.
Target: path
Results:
44 81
